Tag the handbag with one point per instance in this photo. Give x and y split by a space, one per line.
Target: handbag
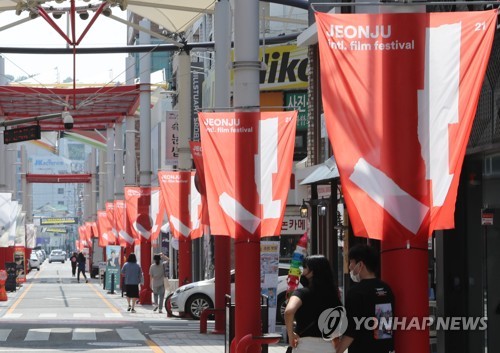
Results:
289 349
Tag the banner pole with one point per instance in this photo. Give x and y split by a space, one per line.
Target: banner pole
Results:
145 158
222 31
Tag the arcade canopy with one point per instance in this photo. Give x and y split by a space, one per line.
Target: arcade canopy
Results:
91 107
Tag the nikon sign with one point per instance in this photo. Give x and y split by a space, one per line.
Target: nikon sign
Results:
285 69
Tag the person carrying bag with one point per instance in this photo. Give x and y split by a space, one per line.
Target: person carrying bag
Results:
306 304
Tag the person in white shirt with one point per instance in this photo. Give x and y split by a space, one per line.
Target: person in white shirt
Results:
157 274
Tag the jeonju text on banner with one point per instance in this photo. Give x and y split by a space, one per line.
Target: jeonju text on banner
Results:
247 159
400 92
182 203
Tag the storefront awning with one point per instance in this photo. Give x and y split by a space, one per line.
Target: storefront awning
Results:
321 173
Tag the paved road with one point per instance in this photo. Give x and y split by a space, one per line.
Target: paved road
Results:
54 313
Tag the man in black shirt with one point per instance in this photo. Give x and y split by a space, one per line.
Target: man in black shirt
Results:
369 306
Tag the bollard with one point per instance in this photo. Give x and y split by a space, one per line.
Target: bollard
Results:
3 278
112 283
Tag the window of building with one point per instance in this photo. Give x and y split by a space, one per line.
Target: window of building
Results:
60 191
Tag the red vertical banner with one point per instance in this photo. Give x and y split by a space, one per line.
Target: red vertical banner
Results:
110 212
182 203
103 228
88 233
157 211
122 225
400 92
95 230
247 193
143 211
197 153
82 234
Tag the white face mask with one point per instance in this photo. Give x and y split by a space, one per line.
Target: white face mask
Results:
355 278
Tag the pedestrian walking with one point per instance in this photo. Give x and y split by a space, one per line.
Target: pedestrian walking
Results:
81 267
369 298
306 304
133 276
157 274
73 262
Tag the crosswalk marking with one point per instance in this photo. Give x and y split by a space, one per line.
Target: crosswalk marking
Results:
12 316
47 315
4 334
41 334
109 315
77 334
87 334
130 334
81 315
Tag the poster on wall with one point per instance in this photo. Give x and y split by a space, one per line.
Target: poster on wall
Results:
19 259
112 267
269 265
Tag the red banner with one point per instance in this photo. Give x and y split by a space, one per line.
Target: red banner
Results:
248 162
182 203
196 152
104 228
110 212
122 226
88 233
82 235
400 92
95 231
144 211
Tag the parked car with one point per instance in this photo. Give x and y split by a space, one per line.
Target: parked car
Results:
34 261
195 297
57 255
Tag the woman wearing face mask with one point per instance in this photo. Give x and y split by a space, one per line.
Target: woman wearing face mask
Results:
306 304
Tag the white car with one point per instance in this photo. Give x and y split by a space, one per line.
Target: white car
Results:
57 255
34 261
195 297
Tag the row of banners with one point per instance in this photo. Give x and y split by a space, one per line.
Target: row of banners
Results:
400 93
251 207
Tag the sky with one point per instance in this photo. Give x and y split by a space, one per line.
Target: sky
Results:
37 33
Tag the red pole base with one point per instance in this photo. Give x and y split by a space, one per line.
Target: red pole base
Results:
405 270
247 293
222 279
145 296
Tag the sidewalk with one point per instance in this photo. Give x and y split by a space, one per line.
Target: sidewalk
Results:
177 342
167 341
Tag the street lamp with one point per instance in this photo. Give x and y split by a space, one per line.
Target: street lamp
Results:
321 204
304 211
322 207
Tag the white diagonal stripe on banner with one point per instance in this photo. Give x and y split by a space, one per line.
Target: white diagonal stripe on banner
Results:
125 236
238 213
179 226
385 192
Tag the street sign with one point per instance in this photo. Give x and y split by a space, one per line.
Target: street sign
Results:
19 134
487 216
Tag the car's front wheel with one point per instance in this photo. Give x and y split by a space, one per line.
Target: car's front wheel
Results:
196 304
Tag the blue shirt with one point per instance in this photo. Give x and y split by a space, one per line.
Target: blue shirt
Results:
132 273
